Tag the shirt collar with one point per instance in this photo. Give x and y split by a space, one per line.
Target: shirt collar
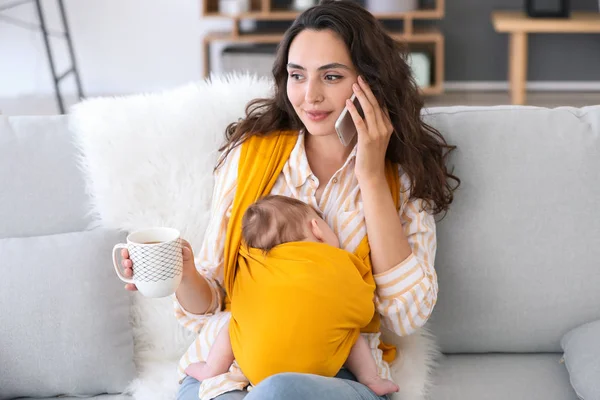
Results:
297 170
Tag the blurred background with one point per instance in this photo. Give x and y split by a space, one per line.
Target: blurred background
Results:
133 46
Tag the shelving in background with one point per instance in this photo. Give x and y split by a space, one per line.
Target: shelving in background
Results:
424 40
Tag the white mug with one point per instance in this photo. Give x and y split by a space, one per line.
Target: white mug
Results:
157 261
301 5
233 7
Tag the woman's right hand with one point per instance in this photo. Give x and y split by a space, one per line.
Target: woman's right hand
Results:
188 263
127 265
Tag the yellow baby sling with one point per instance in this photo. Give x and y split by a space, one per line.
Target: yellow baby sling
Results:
301 307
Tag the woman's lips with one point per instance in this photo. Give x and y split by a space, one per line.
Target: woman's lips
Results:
317 116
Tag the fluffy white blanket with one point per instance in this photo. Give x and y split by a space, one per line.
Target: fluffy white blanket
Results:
148 161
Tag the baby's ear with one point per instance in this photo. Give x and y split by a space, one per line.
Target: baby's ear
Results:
316 230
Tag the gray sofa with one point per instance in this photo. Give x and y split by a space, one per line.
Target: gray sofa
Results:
517 261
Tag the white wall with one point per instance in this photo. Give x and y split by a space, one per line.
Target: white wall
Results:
122 46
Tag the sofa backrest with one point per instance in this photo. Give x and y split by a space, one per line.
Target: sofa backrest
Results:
518 255
42 190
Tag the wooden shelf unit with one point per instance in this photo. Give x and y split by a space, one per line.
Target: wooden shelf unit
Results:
282 15
430 38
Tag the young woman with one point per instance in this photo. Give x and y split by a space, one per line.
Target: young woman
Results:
330 52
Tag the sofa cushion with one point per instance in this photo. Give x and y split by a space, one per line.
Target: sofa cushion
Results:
501 377
64 317
42 188
582 354
518 253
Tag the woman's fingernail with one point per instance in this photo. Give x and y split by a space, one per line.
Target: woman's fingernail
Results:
355 87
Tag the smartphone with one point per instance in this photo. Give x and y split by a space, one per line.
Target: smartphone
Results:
344 125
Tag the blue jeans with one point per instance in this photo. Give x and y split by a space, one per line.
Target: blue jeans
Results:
292 386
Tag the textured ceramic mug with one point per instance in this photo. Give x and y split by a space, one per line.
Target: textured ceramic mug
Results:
157 261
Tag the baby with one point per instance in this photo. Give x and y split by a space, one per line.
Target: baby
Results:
269 222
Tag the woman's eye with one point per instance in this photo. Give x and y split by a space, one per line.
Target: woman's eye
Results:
332 77
295 76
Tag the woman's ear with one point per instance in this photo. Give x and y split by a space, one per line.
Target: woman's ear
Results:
316 230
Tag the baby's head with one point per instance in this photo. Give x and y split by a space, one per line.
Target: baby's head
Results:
274 220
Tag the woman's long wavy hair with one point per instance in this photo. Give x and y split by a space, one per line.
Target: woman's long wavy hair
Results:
417 147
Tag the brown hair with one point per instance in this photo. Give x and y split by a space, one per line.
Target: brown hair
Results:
419 148
274 220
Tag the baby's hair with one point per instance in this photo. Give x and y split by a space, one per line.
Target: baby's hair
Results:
274 220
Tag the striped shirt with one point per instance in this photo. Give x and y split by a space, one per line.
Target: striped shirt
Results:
405 294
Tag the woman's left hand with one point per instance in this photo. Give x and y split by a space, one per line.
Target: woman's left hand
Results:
374 132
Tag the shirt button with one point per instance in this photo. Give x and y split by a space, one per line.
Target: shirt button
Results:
334 180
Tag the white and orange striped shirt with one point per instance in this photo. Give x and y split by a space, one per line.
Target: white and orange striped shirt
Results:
405 294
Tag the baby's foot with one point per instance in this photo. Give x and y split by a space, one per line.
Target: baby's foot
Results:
199 371
381 387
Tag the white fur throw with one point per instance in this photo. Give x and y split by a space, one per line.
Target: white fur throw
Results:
148 161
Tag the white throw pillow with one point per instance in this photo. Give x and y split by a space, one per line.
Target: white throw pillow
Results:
582 359
64 317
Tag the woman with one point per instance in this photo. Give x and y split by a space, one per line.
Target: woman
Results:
330 52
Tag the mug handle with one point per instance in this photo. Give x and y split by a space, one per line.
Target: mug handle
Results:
116 264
